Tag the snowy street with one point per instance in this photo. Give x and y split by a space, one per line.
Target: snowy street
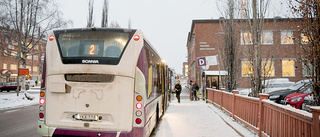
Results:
197 119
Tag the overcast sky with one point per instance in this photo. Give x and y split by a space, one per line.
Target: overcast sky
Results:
165 23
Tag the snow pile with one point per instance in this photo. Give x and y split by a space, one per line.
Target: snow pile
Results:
11 100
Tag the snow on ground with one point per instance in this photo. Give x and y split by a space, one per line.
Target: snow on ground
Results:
11 100
198 119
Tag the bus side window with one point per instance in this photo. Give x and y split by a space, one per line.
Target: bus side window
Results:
112 51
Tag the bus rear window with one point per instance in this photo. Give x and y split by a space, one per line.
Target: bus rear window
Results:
88 44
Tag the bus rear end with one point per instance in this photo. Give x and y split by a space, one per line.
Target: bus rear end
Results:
88 83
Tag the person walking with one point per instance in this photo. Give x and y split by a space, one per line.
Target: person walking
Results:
177 88
194 89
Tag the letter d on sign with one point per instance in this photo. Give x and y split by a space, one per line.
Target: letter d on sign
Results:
201 61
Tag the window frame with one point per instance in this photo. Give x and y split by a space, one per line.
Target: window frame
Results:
262 36
272 68
242 41
282 70
248 64
281 36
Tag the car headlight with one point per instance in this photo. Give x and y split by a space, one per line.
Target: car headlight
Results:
296 99
274 96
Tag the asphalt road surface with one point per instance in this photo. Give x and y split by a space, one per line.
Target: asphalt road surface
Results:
20 122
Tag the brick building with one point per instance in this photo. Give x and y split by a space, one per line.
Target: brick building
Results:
9 63
279 49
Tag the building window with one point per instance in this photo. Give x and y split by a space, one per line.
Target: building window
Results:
5 66
29 67
6 40
14 42
307 68
35 57
14 53
286 37
35 68
304 39
13 67
246 38
288 68
267 37
267 68
5 53
36 47
29 56
247 68
11 47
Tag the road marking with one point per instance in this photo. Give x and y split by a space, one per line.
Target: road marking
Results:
11 111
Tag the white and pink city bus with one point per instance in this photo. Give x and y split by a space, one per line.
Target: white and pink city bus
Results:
101 82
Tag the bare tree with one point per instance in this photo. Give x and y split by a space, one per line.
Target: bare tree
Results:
254 19
114 24
309 12
90 22
25 22
105 8
230 45
129 23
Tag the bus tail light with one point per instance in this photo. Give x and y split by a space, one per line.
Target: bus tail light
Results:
41 115
138 110
138 121
42 101
42 94
138 105
42 104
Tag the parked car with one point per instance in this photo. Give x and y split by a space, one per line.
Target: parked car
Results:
299 98
12 86
279 95
276 86
270 85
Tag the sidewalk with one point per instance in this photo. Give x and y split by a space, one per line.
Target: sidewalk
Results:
198 119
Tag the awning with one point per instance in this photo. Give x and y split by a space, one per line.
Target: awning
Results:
5 71
216 73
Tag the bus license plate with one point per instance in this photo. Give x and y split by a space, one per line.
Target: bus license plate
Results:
86 117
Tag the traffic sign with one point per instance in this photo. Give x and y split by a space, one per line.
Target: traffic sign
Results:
201 61
23 71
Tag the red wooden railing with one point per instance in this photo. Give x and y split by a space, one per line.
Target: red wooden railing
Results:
266 117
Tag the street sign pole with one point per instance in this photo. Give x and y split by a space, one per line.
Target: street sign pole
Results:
219 73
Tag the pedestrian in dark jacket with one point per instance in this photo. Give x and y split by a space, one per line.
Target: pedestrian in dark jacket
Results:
177 88
195 88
